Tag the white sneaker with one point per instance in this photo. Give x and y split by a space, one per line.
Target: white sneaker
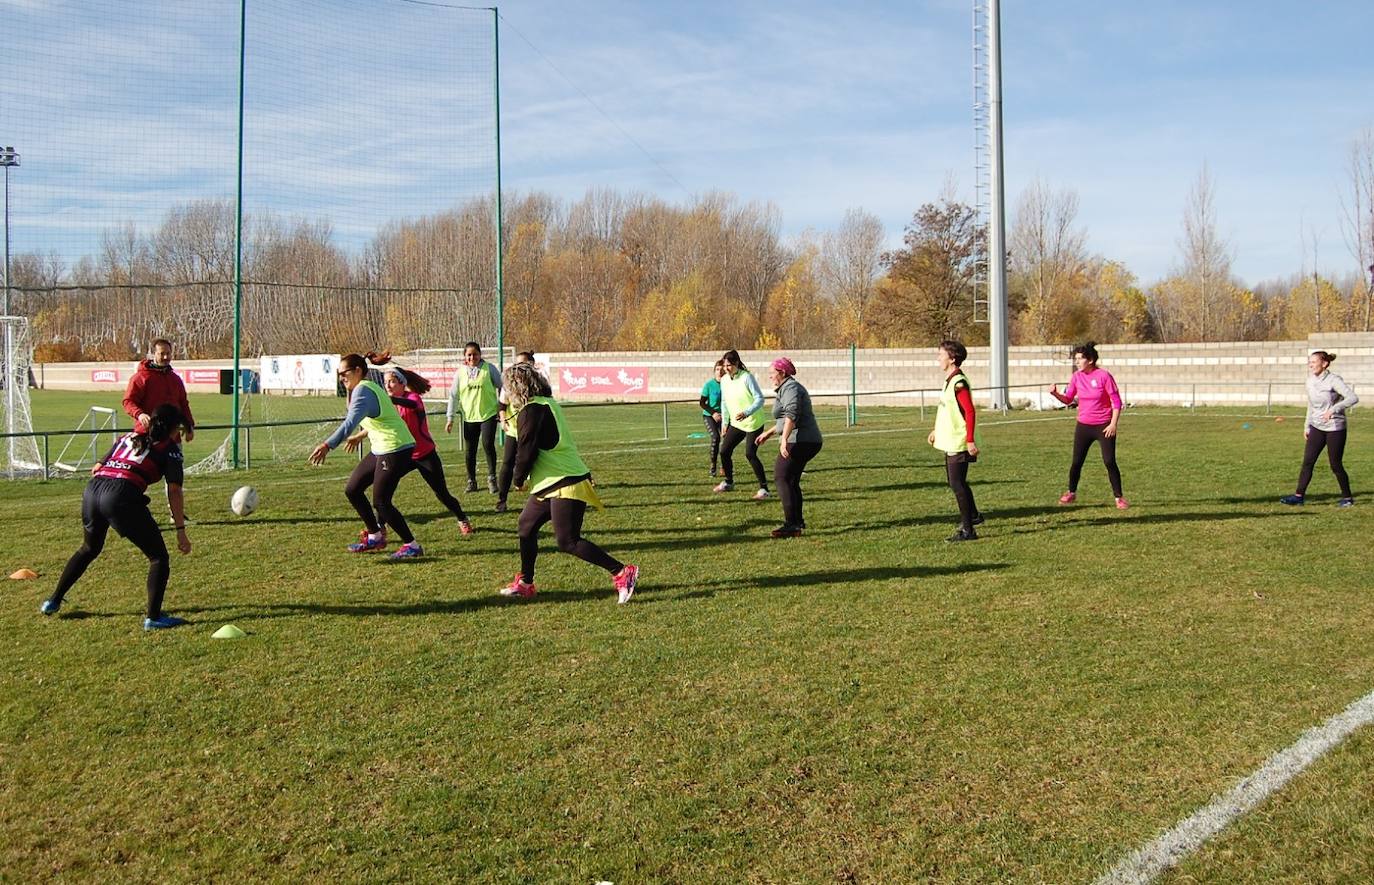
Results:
725 486
761 494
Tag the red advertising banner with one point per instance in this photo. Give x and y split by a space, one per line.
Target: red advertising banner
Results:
440 377
201 376
105 376
603 381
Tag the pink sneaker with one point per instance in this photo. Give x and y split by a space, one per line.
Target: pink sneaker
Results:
625 581
368 543
761 495
1122 503
519 587
725 486
465 527
1068 498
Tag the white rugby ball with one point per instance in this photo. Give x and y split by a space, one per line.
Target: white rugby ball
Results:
245 501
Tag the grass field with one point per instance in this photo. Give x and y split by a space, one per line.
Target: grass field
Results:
865 703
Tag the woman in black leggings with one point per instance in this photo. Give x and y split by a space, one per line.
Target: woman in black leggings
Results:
115 498
474 392
799 440
741 412
1328 396
391 443
1099 410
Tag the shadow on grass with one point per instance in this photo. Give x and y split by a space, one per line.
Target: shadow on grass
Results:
649 592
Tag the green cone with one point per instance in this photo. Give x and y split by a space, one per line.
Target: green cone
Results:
228 631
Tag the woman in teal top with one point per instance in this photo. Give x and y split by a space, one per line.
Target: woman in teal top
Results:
710 411
742 402
391 442
475 389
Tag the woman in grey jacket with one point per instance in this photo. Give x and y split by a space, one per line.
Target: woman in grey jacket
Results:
799 440
1328 396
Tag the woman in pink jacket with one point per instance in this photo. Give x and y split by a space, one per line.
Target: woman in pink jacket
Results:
1099 409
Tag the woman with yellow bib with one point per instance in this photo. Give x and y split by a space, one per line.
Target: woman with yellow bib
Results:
474 391
391 442
954 435
741 403
560 483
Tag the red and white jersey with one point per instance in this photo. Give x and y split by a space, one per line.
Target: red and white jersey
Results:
125 461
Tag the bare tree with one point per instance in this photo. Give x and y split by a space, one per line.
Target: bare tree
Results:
1357 221
1048 258
1206 256
849 263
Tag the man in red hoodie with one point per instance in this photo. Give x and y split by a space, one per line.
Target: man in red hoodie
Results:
154 384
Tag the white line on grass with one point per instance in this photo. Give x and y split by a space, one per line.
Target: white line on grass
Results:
1187 836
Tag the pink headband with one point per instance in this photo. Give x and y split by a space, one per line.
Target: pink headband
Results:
784 365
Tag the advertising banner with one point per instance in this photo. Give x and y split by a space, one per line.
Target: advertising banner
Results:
603 381
200 376
105 376
301 373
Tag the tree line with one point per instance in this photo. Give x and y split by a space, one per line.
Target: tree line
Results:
616 271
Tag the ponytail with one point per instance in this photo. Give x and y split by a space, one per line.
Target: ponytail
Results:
416 382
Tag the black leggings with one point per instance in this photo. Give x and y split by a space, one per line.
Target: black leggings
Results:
503 482
486 432
1334 443
383 473
956 471
732 438
713 431
109 502
566 514
432 469
787 474
1083 438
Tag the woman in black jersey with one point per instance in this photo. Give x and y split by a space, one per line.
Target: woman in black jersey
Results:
115 498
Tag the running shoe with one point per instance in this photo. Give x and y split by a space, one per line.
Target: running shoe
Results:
368 543
725 486
1346 502
162 622
979 519
49 607
962 535
472 485
492 486
761 495
714 472
500 506
409 550
519 587
787 531
1122 503
625 581
1068 498
1291 499
465 527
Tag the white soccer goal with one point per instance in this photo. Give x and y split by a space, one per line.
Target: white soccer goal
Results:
19 451
87 446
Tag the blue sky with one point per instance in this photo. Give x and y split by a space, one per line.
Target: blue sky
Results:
120 112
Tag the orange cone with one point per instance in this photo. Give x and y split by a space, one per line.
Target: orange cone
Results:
24 574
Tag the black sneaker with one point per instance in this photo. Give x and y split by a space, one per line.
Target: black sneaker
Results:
979 519
472 485
962 535
501 506
492 487
787 531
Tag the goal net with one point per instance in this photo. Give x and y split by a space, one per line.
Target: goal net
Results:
19 449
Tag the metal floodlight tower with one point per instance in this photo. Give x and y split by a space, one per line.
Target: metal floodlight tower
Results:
990 191
9 158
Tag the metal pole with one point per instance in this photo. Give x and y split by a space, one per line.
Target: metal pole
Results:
9 158
997 252
853 387
238 240
1269 398
500 244
665 422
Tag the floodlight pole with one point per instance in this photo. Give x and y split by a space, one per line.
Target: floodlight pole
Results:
238 246
9 158
500 245
997 233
